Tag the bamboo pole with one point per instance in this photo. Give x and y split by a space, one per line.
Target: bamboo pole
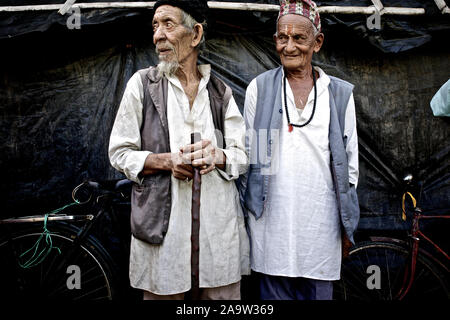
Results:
442 6
218 5
66 6
371 10
378 5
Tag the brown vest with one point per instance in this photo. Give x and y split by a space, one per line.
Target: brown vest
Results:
151 201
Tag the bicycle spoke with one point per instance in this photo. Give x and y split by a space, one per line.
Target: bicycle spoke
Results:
361 289
55 258
422 282
400 271
49 278
85 283
89 293
388 275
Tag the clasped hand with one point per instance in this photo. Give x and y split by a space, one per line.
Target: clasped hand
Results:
201 154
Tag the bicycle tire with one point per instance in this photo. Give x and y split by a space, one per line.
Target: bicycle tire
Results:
358 282
50 279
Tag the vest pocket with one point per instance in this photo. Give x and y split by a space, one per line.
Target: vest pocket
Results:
254 201
150 209
350 209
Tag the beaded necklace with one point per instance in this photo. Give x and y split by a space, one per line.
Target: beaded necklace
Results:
292 125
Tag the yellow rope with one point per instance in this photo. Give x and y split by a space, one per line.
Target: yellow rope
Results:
403 204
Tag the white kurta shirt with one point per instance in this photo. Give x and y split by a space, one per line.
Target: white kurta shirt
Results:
299 234
224 246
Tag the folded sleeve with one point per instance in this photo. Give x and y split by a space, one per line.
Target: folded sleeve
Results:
234 132
352 142
249 116
124 151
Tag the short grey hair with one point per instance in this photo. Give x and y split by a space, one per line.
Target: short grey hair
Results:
189 22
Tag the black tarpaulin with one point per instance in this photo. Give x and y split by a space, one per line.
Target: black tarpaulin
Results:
398 33
60 89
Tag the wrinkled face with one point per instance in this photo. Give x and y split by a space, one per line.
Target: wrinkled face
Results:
172 40
295 41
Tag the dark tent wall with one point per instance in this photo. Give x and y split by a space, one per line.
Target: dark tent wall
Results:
60 89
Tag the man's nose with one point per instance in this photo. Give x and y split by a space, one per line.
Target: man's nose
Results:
158 35
290 46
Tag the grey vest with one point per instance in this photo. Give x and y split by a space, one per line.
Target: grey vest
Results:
151 201
269 116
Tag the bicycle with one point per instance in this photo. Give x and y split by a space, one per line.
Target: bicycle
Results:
386 268
68 262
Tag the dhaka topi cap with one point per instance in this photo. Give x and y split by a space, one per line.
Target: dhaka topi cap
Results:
198 9
306 8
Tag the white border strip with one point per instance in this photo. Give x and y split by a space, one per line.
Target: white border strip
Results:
219 5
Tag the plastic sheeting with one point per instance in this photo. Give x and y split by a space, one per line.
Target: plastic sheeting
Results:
60 89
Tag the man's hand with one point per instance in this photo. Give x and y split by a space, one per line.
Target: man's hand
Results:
346 245
156 162
180 169
203 155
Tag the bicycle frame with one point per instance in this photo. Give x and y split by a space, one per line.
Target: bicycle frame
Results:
416 234
79 242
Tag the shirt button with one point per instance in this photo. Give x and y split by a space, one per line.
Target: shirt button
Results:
280 111
270 141
263 198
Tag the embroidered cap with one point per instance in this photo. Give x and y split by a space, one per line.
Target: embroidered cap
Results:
306 8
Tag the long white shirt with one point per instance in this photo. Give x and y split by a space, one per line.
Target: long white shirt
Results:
224 246
298 234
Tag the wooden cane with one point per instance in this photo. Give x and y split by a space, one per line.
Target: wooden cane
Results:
195 227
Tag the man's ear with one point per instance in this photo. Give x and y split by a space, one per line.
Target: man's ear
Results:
318 42
198 34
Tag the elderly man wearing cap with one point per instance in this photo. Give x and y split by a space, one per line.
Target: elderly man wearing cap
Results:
300 188
150 143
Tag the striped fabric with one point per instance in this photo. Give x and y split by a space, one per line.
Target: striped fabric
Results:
306 8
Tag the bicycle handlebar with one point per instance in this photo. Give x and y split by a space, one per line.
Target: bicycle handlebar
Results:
108 187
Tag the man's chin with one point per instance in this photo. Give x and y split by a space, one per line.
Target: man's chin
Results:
294 65
164 58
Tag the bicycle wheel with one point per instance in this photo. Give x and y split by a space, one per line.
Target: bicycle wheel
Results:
375 271
82 271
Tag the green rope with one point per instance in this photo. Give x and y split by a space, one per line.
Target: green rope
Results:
36 258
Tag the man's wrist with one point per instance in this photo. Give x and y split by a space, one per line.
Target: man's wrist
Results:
156 162
222 159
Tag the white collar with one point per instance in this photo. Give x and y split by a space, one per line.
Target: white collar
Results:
205 71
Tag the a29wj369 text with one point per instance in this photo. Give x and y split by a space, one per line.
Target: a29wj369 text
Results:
232 309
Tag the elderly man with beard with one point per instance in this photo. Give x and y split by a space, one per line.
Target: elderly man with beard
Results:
150 144
300 189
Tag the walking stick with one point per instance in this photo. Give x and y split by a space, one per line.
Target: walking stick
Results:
195 228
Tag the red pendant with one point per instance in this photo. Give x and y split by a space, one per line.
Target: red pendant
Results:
291 127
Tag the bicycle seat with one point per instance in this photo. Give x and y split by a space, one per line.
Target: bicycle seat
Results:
109 185
123 185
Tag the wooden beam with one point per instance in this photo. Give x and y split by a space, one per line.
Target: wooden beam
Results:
371 10
218 5
93 5
243 6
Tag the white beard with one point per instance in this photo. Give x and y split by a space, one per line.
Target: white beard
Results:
168 68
